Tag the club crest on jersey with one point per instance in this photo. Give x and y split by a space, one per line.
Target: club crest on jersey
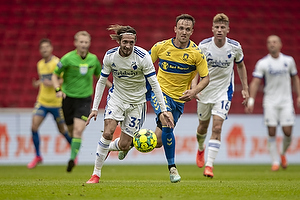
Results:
83 68
134 66
185 56
229 54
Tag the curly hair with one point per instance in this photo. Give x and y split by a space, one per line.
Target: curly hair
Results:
120 31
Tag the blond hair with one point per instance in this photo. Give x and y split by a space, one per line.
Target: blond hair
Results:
221 17
120 31
84 33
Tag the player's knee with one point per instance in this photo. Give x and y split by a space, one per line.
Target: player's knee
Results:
217 129
202 129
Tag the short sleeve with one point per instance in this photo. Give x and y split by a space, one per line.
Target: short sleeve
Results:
239 54
259 70
201 64
153 52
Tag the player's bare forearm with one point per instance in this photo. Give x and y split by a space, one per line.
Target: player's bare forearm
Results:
243 75
55 81
36 83
254 87
190 94
296 84
195 81
202 84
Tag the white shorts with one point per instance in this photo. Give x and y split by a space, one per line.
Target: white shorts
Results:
205 110
284 116
130 116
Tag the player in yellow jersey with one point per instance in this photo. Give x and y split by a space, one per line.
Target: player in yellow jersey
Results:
47 102
179 61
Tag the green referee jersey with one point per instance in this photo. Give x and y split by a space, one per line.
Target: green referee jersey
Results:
78 74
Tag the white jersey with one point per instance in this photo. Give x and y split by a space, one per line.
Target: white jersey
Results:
277 74
129 77
220 62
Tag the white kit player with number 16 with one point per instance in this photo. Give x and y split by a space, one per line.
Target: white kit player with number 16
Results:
221 55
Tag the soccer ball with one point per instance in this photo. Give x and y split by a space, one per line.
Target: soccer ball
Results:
144 140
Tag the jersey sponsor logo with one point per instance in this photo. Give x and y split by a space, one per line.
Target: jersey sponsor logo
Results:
46 76
83 68
127 74
218 63
277 72
164 65
168 53
175 67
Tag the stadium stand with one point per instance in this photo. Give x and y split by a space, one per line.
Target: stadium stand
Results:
24 23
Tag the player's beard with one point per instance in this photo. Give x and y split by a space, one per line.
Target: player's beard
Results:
125 51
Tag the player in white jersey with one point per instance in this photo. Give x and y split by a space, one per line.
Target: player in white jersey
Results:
221 54
126 102
276 69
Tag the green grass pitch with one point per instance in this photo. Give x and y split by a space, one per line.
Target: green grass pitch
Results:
143 182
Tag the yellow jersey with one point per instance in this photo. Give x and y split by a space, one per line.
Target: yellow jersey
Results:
47 95
177 67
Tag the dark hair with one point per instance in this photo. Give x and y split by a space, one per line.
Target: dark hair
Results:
186 17
45 40
120 30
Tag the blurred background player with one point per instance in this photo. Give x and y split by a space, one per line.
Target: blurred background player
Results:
221 54
179 61
126 102
47 102
78 68
277 70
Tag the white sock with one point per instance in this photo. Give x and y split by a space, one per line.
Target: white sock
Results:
285 143
102 151
114 145
273 150
201 139
213 149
